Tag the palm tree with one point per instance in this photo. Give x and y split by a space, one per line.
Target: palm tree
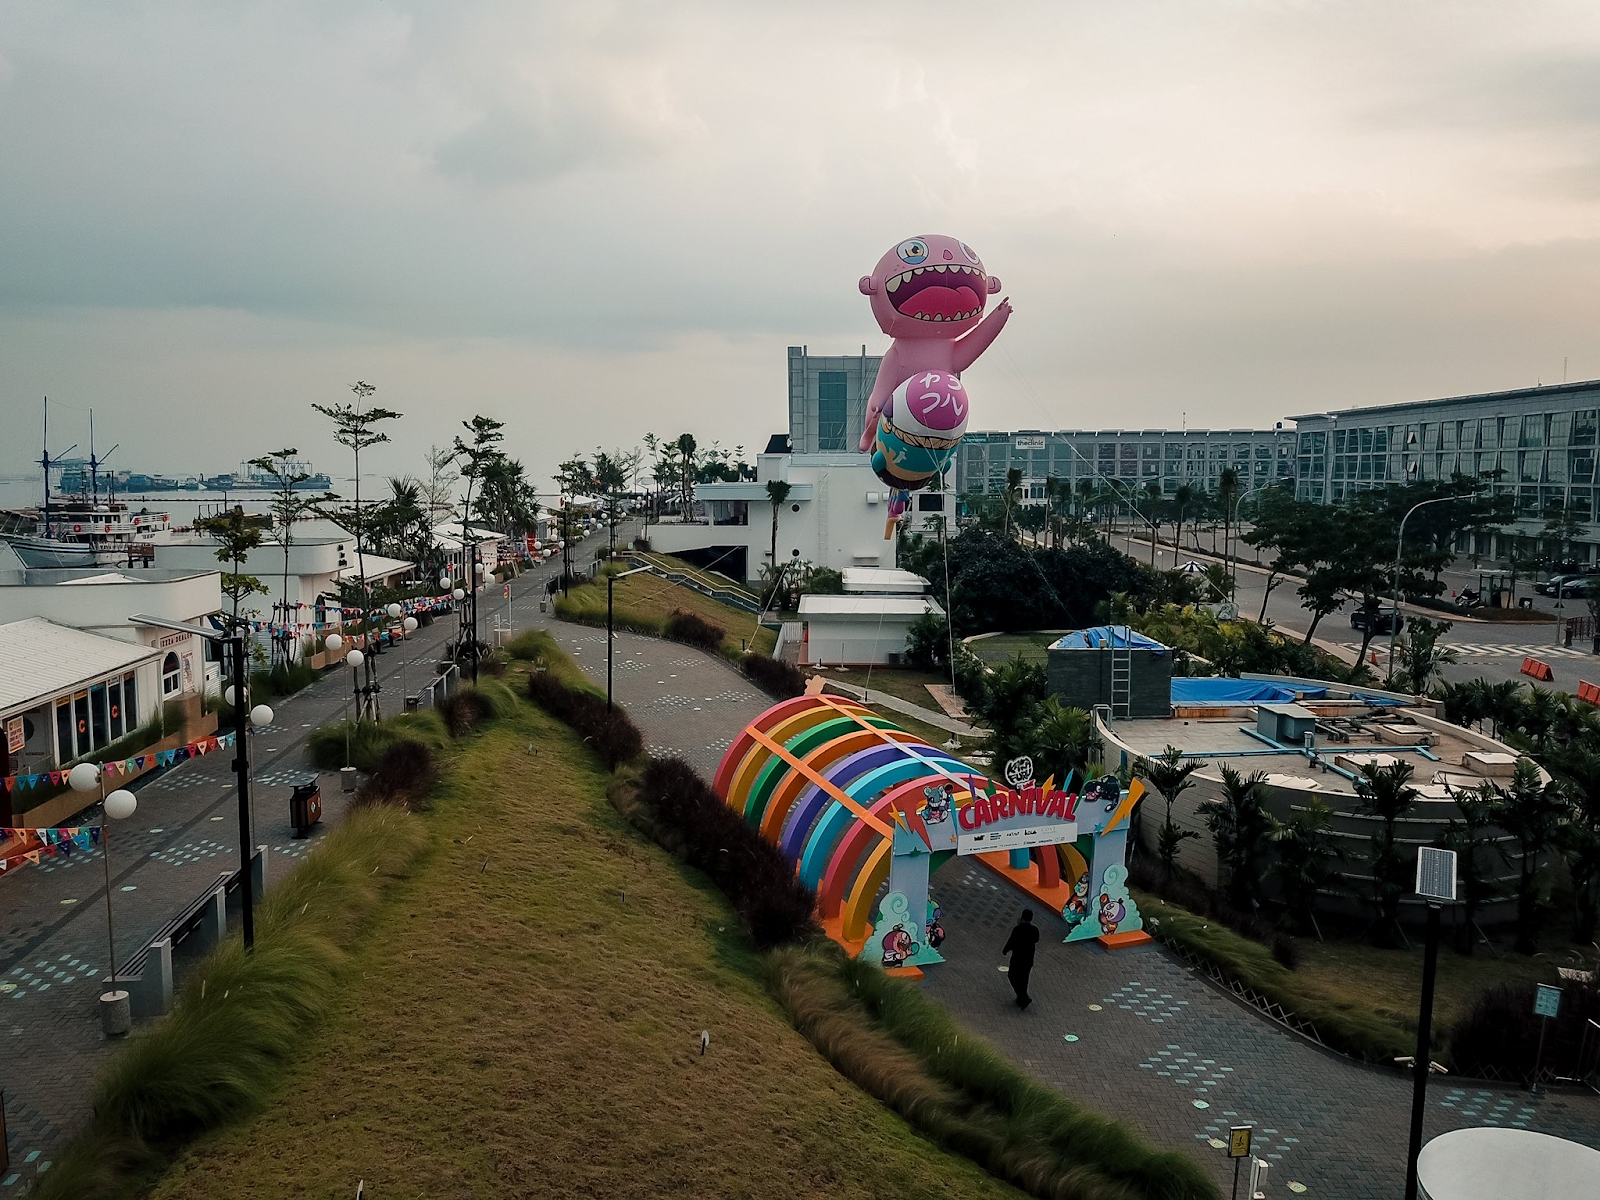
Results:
1531 810
1063 740
777 495
686 446
1240 828
1011 497
1181 499
1467 837
1170 775
1152 494
1579 769
1227 494
1385 792
1307 860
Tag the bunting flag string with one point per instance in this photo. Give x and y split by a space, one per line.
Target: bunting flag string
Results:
125 766
60 841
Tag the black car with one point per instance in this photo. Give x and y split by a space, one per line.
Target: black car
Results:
1382 621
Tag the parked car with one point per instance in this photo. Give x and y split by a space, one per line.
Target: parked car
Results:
1569 585
1382 621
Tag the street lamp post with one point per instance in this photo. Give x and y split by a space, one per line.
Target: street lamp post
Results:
610 636
241 758
115 1012
1436 883
1394 626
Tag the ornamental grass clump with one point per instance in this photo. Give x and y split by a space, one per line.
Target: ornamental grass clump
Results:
238 1018
609 732
694 630
777 678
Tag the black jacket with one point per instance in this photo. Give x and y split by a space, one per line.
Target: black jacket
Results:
1021 943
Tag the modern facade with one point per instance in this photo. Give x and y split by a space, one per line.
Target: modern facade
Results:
1539 443
1126 459
828 399
835 516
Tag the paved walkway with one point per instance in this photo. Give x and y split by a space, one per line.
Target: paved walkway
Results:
53 944
927 716
1154 1044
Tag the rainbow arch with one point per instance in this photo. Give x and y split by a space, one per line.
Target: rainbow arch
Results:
827 781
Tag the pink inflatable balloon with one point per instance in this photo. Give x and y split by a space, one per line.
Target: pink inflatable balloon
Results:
929 293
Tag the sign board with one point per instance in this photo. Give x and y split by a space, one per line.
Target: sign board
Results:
1019 771
168 640
1028 443
1239 1141
16 736
1015 839
1436 873
1546 1001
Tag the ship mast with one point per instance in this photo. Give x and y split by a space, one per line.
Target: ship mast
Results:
45 461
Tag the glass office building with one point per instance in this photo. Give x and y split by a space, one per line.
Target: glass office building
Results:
828 399
1538 443
1129 459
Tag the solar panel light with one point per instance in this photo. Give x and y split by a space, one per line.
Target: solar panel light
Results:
1436 874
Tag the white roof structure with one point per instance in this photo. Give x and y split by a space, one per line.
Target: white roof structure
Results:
448 535
883 581
378 567
867 607
40 659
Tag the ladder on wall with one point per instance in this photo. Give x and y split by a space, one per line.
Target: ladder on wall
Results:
1121 675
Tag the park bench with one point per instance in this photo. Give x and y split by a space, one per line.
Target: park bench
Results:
199 926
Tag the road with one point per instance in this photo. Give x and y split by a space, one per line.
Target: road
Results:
1486 649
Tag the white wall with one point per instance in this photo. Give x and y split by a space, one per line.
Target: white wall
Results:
852 641
840 525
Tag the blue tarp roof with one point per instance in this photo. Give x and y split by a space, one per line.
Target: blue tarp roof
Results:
1102 636
1220 690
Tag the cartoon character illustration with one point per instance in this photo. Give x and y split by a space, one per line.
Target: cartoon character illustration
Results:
928 293
897 946
1106 791
934 930
1077 908
939 799
1112 913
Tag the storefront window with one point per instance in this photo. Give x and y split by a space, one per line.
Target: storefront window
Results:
114 700
99 716
171 675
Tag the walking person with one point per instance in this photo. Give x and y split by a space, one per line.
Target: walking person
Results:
1020 946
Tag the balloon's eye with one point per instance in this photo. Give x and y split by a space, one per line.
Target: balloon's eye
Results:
914 251
972 255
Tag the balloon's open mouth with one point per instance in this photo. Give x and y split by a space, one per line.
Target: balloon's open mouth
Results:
938 293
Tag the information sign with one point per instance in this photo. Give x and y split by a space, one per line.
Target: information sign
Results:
1239 1141
1546 1001
1015 839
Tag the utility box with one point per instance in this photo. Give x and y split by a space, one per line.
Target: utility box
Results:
305 807
1286 724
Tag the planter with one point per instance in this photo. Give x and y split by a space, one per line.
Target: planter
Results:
319 660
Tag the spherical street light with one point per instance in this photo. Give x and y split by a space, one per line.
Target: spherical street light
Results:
409 624
394 611
334 643
230 697
355 658
261 716
120 804
482 570
84 777
444 582
459 594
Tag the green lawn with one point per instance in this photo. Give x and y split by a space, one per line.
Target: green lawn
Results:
653 599
901 682
1005 646
523 1019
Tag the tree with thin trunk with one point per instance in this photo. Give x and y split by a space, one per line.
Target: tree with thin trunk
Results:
1240 828
289 504
1227 495
1170 776
236 536
355 427
687 449
1531 810
777 495
1181 499
477 458
1385 793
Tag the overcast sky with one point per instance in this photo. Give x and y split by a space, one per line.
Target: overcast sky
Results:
596 220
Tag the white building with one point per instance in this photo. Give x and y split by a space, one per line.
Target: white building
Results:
855 630
835 515
100 601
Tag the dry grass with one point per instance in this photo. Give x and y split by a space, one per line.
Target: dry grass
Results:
526 1031
656 599
896 681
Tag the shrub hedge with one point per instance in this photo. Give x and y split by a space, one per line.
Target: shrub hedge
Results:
694 630
692 822
1498 1037
610 733
779 679
901 1047
402 778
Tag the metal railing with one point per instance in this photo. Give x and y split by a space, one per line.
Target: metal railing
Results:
429 694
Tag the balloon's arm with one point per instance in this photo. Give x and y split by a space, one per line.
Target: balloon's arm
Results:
882 388
975 343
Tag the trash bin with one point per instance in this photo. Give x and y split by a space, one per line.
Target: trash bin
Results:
413 703
1525 602
305 807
